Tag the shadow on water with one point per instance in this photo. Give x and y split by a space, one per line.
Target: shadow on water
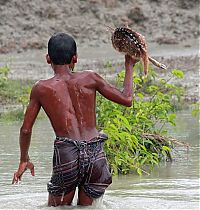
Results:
170 186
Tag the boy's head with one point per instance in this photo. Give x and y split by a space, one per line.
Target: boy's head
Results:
61 49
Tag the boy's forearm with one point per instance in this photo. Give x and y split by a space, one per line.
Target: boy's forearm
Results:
128 81
24 141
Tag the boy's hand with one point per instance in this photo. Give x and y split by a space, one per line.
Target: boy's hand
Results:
23 166
130 61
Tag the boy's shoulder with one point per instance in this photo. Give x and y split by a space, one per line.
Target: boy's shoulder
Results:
89 73
86 77
86 72
41 84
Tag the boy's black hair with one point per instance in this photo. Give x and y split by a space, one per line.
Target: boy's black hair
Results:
61 48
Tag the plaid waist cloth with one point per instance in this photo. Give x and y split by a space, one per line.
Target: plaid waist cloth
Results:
79 163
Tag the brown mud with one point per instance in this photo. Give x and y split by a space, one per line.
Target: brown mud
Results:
29 24
31 65
171 29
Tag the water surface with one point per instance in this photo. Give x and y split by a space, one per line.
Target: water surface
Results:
170 186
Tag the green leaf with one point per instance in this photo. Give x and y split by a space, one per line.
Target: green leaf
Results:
152 88
143 147
143 160
172 118
163 81
125 121
165 148
196 109
140 95
139 171
178 73
137 80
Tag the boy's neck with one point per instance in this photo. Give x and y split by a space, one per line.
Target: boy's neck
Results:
62 69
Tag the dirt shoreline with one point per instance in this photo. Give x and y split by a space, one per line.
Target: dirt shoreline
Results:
171 29
27 25
31 65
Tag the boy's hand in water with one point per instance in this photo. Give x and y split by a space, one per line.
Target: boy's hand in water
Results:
130 61
23 166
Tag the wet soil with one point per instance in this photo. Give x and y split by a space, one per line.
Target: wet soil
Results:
171 29
29 24
31 65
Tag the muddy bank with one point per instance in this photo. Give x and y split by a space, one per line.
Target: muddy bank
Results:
105 60
29 24
171 28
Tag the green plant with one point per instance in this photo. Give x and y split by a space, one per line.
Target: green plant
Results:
23 98
195 109
135 142
10 116
13 92
3 76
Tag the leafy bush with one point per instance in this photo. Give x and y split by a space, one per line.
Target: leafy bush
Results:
135 134
13 92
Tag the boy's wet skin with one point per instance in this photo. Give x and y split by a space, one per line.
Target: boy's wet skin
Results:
69 100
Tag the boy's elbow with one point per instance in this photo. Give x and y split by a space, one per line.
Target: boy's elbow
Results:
129 102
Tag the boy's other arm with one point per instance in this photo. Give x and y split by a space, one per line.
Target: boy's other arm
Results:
112 93
25 134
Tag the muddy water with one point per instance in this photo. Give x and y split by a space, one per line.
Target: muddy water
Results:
170 186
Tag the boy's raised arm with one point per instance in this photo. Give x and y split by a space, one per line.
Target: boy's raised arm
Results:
112 93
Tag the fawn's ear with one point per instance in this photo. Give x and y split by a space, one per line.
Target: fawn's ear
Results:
48 59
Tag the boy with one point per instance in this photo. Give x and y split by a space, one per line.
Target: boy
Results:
69 101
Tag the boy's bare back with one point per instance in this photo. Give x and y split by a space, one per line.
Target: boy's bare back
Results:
69 102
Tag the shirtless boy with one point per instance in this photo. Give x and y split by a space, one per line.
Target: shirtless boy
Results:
69 100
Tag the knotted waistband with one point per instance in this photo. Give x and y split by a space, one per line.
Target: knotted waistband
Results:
87 150
82 143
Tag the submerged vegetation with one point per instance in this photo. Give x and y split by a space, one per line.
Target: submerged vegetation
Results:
138 138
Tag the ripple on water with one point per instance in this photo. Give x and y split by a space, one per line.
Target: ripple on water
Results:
170 186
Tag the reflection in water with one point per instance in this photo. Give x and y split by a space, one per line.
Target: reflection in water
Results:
170 186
